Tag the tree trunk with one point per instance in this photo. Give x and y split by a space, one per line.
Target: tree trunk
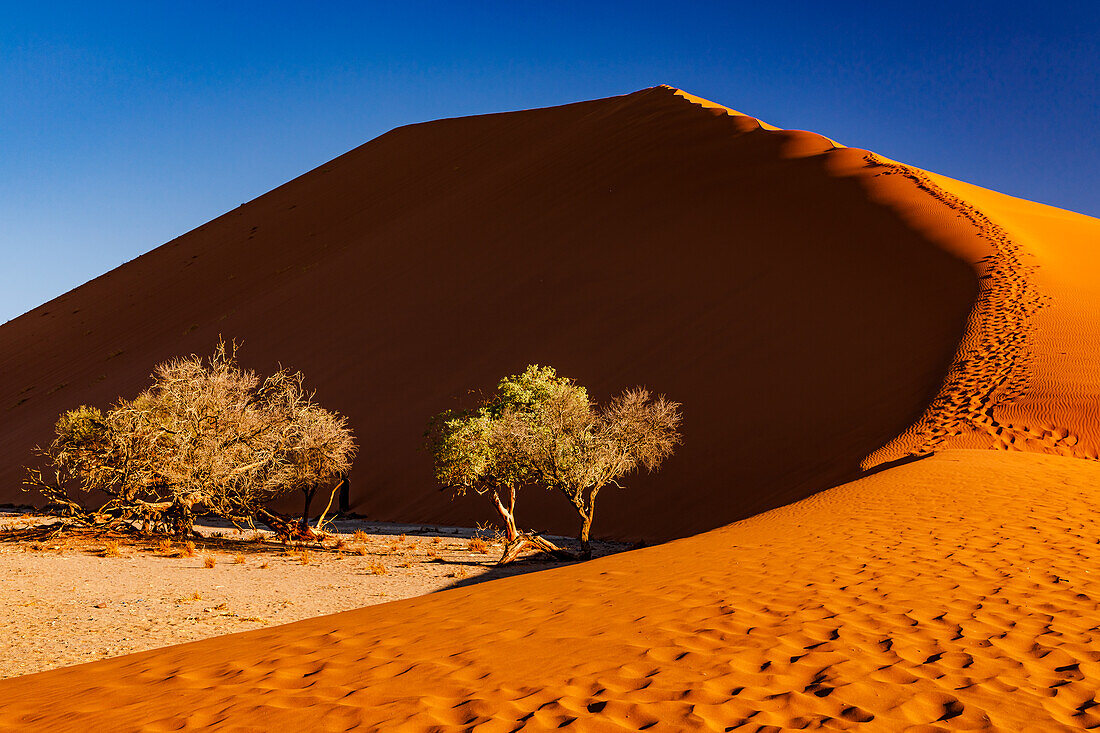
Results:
507 515
513 548
285 528
345 495
305 509
586 528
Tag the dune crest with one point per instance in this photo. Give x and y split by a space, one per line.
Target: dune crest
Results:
828 318
747 272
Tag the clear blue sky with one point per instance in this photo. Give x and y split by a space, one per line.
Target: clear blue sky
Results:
123 125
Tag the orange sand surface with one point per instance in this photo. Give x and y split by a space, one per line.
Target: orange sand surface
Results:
958 591
824 314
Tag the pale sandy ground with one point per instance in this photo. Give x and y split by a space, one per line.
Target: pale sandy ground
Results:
62 603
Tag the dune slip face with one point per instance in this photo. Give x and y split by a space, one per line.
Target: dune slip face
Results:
755 275
955 592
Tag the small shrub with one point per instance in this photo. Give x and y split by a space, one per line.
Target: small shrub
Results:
238 559
164 547
209 561
340 544
305 556
361 536
187 549
263 565
362 551
110 549
401 538
377 568
477 545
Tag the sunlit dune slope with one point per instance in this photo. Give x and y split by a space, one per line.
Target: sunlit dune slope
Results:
1027 374
751 273
960 590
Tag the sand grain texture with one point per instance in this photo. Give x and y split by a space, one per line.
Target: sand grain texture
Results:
959 591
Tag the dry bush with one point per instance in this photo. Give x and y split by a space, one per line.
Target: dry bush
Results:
206 436
263 565
238 559
477 545
402 538
360 536
209 561
377 568
362 551
305 556
164 546
437 540
186 549
340 544
110 549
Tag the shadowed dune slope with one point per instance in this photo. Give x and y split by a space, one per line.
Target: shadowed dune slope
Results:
960 591
764 278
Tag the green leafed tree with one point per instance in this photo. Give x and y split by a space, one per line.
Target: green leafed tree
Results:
542 429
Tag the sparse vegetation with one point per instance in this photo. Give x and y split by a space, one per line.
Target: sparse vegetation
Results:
539 429
207 436
209 561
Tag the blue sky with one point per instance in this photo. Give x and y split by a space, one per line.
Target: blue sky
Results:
123 125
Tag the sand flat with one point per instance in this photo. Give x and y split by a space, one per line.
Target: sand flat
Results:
64 602
960 590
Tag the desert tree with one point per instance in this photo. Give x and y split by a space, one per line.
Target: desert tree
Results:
207 436
479 450
577 448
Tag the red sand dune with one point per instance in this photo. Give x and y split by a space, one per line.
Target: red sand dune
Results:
748 273
819 310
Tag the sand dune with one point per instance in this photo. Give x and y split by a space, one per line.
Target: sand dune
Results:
749 273
825 314
959 591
